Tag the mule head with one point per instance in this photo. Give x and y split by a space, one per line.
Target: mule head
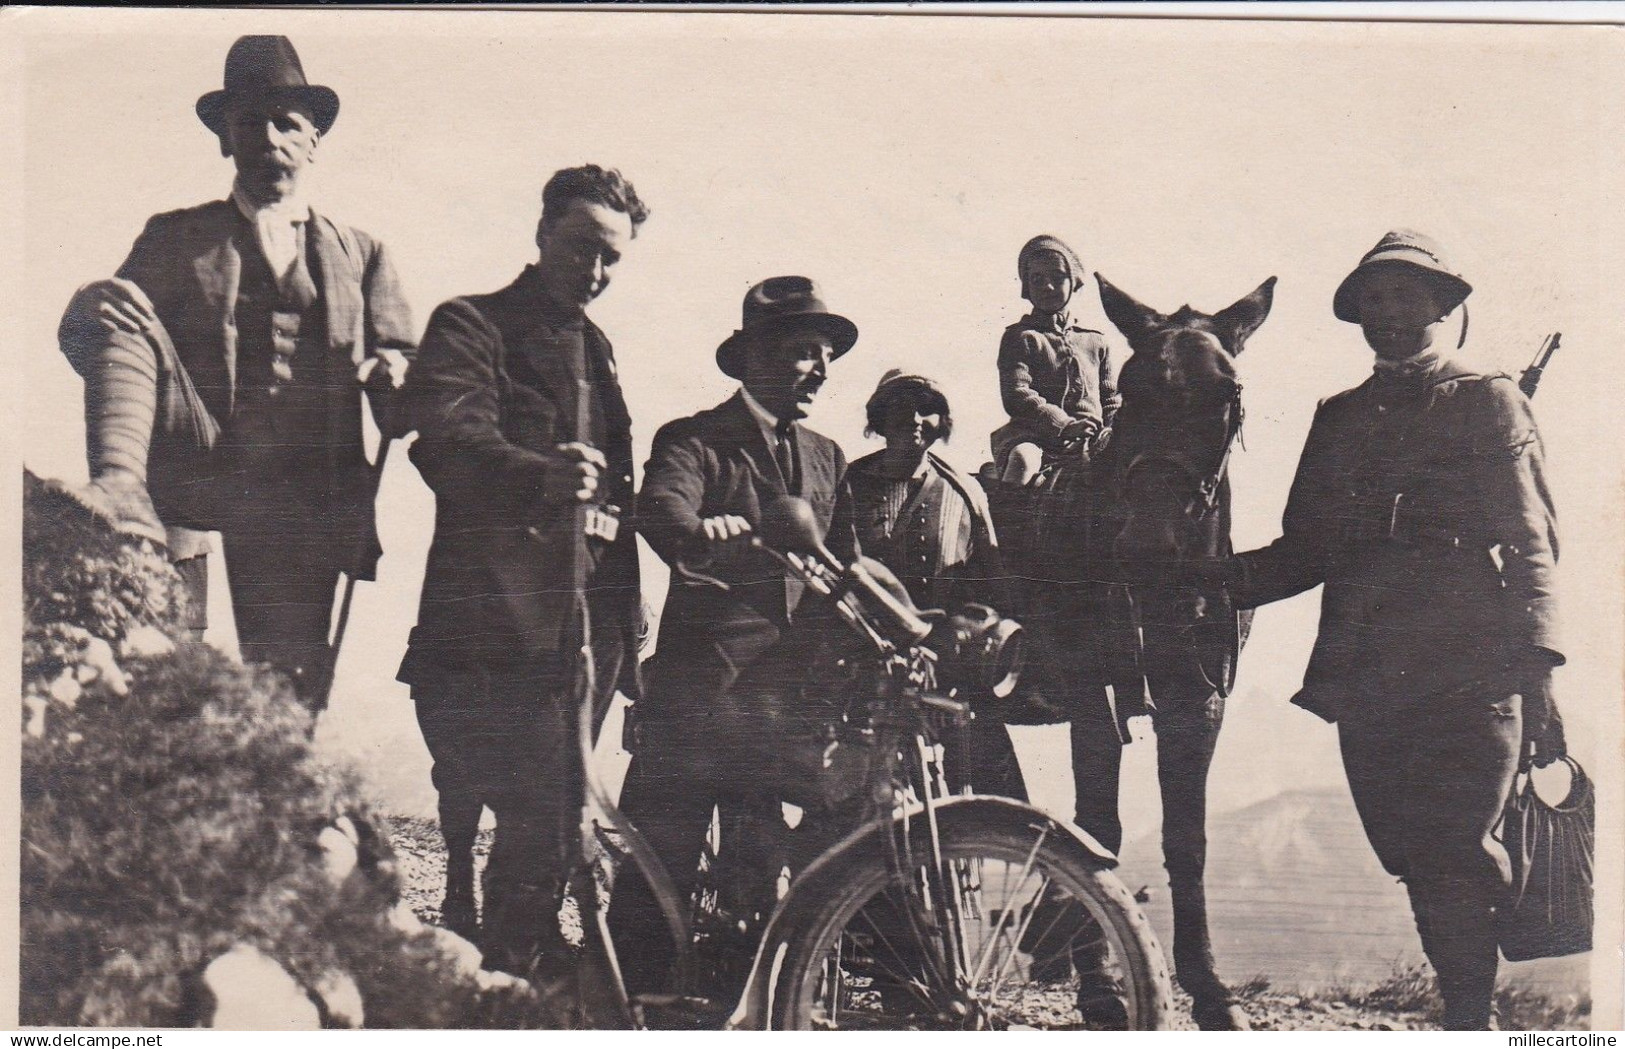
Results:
1187 351
1181 411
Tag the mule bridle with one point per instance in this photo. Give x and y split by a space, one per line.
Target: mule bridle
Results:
1207 485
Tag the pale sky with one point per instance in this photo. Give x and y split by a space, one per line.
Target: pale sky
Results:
902 161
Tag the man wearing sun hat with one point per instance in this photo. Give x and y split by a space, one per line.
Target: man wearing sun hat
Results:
709 478
1421 505
224 366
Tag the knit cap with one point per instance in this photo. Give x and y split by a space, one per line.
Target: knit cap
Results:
1047 242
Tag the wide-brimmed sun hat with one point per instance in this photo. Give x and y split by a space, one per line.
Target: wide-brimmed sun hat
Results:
1409 248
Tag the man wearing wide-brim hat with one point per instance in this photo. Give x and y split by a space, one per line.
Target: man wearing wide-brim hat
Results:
224 366
709 480
1421 505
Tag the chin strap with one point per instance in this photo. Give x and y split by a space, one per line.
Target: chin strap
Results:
1462 341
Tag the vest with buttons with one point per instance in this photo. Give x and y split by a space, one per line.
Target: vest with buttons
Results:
285 379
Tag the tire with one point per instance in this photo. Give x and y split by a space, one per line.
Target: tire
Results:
857 962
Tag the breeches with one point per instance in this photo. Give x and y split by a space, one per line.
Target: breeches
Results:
1430 786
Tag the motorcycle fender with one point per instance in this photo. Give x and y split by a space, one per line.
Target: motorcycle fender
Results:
960 815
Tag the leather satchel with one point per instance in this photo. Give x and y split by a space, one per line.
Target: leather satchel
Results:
1553 848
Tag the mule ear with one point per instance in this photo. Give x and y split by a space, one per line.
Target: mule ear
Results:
1236 322
1134 319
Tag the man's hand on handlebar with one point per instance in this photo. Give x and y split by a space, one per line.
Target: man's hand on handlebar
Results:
724 528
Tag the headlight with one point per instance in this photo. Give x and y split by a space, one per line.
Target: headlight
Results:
979 650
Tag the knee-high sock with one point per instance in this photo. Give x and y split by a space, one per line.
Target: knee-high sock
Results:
121 404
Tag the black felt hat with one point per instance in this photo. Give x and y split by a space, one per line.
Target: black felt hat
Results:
783 302
266 67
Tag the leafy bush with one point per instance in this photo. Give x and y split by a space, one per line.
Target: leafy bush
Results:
173 811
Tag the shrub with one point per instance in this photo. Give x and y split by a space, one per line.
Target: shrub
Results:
173 811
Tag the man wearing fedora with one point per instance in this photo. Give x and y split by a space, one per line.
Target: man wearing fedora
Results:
1420 503
520 418
224 366
709 480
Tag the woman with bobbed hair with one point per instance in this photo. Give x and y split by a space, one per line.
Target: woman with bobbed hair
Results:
929 523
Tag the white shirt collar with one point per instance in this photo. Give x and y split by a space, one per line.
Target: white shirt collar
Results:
294 209
766 419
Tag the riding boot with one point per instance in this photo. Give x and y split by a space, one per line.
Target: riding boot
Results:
1459 938
459 825
1213 1005
1062 938
1102 999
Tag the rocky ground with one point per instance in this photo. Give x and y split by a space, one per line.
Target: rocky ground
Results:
1404 1003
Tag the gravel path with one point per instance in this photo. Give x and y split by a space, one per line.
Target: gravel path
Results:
420 859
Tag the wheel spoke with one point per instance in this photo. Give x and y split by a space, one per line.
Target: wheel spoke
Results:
884 956
1032 912
1004 913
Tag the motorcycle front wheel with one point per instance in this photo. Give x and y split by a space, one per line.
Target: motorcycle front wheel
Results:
1031 936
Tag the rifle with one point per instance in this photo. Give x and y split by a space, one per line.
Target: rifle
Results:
1543 356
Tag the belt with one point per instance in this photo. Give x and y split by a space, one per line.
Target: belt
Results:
1397 521
1413 528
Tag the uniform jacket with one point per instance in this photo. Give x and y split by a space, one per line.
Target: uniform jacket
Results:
718 462
1052 372
494 389
940 542
1421 504
189 262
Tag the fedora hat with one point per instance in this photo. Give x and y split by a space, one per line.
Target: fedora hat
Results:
266 67
1411 249
777 303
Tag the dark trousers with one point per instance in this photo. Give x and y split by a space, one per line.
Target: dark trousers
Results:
688 764
282 587
284 552
979 756
506 738
1430 784
679 774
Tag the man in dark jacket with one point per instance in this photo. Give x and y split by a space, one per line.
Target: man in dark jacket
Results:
1421 505
224 366
706 485
502 381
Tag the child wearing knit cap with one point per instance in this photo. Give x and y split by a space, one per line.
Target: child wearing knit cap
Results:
1056 377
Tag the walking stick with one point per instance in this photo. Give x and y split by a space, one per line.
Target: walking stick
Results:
323 689
601 989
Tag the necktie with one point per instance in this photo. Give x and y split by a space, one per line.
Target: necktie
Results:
786 454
